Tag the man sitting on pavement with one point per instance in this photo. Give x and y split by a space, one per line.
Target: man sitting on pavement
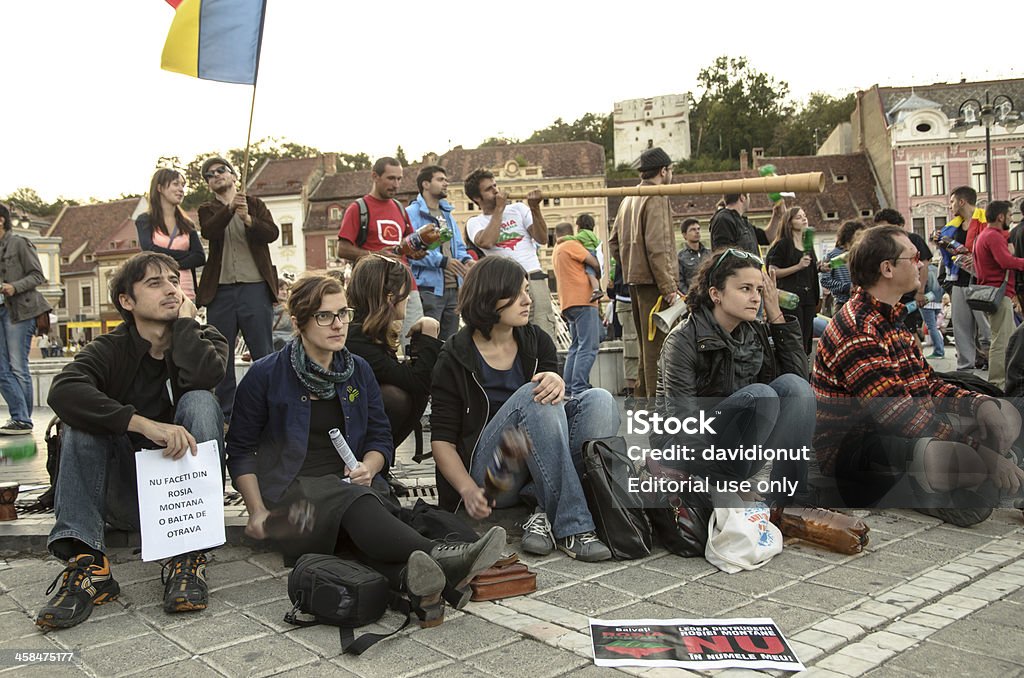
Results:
145 385
888 427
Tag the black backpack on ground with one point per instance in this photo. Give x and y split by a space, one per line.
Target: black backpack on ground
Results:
618 514
341 593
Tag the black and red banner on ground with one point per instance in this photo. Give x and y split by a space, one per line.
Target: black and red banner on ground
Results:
702 644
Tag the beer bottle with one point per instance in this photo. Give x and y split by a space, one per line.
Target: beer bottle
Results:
831 529
509 458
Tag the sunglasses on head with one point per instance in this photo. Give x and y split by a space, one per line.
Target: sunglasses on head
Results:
739 254
214 172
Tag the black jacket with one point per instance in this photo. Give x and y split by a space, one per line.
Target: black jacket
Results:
90 392
412 376
696 363
459 406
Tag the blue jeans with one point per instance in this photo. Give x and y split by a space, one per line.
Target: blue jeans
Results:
558 434
97 480
442 308
585 327
779 415
15 380
245 307
938 345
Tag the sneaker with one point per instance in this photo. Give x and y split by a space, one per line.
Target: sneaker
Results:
84 583
935 356
584 546
16 428
460 562
185 589
537 537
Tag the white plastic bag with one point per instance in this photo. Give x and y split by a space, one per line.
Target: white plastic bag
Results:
742 538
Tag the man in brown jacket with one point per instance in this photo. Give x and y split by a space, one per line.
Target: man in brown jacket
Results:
239 284
643 241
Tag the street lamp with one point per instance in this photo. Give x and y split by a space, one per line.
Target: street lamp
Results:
997 111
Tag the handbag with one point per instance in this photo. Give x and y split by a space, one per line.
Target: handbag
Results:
742 538
986 298
507 578
341 593
680 520
618 514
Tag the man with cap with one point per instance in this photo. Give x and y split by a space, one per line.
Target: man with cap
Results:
239 284
643 241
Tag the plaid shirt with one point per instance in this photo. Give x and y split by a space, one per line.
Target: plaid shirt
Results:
868 355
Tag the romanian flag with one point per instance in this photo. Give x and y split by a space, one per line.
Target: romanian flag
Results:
215 39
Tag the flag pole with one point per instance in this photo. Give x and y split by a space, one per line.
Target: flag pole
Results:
252 105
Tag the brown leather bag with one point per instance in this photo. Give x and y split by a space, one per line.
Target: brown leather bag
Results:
507 578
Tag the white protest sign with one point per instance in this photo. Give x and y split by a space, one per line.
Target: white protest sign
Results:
181 501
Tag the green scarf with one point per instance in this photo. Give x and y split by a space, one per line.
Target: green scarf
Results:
317 380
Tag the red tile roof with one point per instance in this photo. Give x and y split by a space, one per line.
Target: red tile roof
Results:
284 176
124 240
90 225
343 188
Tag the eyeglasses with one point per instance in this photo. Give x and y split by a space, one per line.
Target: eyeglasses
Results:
327 318
214 172
916 258
739 254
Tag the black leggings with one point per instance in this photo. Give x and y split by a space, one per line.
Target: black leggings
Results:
381 540
403 409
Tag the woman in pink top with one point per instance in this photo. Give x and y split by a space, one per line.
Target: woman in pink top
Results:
167 230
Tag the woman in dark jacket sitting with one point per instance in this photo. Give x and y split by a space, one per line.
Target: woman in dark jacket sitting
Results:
752 374
500 372
281 456
379 292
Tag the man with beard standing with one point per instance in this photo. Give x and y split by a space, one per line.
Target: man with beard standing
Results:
439 274
239 284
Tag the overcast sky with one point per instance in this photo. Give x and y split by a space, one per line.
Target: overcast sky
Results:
88 111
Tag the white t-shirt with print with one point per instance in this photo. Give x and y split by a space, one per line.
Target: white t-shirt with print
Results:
514 239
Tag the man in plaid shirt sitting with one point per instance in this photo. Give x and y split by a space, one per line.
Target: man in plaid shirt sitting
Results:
890 431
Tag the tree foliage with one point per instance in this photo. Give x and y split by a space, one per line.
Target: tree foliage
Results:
28 200
739 107
803 132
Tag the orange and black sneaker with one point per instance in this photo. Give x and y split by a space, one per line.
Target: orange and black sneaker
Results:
185 588
83 583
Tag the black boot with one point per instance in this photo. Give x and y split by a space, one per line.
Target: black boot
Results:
424 581
461 562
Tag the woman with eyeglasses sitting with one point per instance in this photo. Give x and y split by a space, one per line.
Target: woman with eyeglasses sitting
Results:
750 374
499 372
797 270
379 293
282 460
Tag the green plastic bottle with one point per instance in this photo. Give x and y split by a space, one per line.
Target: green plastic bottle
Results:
838 261
808 241
788 300
769 171
444 233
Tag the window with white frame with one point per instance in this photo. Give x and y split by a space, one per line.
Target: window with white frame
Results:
1017 175
916 181
938 180
979 181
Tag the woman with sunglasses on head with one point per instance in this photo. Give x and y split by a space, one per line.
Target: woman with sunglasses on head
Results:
796 270
500 372
753 373
281 458
379 293
166 229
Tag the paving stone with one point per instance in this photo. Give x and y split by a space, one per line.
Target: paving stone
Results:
894 524
135 571
807 550
890 671
677 566
958 539
930 552
260 656
965 602
905 601
455 670
1002 613
545 632
256 593
839 628
17 624
530 658
752 583
586 598
701 600
882 609
647 609
593 671
220 575
939 659
193 667
322 668
789 618
910 592
548 580
815 596
8 604
637 581
860 581
865 651
804 652
156 616
271 614
271 562
910 630
927 619
464 636
100 632
575 570
578 643
994 640
208 633
889 562
230 552
137 654
944 610
863 619
396 656
794 565
35 573
819 639
846 665
48 669
889 641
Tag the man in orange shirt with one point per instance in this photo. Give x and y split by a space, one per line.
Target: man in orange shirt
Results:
581 314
